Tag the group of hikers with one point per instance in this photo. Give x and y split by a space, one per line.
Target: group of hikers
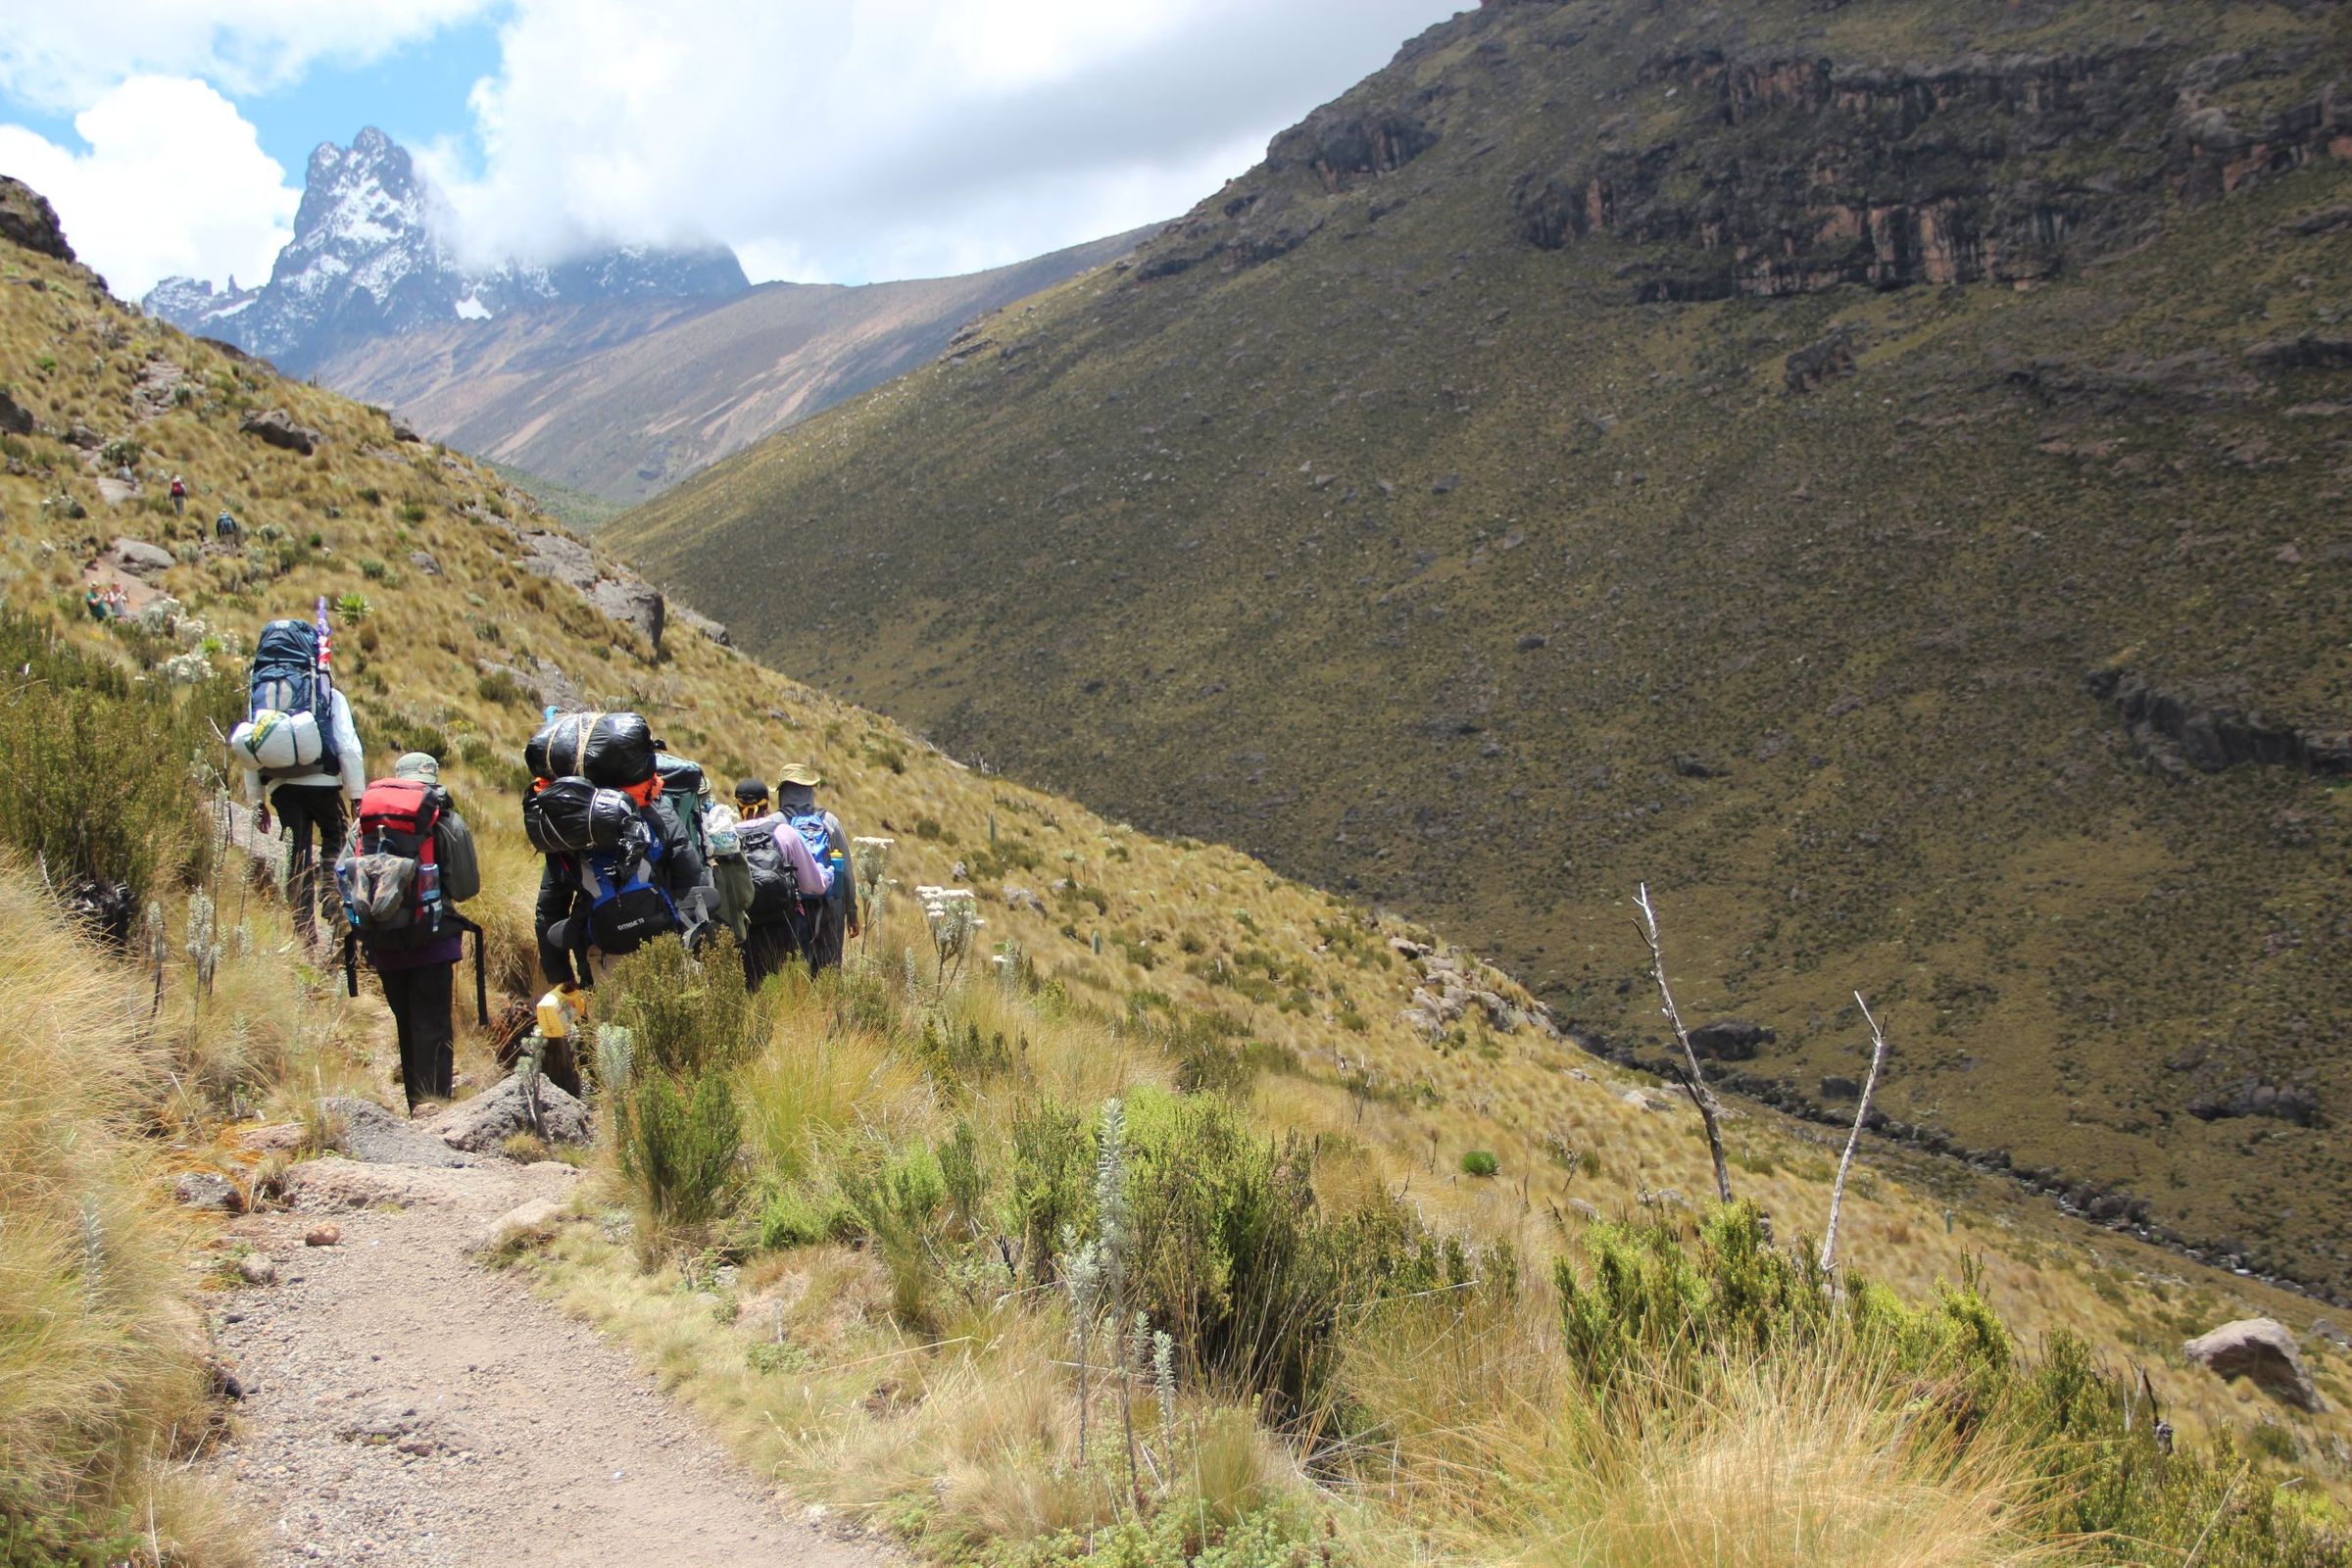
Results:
635 848
107 600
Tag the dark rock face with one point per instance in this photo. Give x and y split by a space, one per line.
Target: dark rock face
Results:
1344 145
1835 1086
14 418
278 429
1890 176
2305 353
1730 1040
2177 731
2291 1103
27 219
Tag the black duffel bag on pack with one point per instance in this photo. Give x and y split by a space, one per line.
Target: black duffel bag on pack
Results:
612 751
572 817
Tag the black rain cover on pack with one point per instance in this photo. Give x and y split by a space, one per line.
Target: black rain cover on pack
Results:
572 817
612 751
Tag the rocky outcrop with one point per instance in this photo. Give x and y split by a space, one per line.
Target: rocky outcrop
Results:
545 682
617 592
2214 156
14 418
2177 731
27 219
138 558
1810 173
2299 1104
1730 1040
696 620
498 1113
2262 1351
1450 987
277 428
1342 144
2309 352
1814 366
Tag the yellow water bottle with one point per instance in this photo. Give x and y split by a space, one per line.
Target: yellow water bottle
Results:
560 1012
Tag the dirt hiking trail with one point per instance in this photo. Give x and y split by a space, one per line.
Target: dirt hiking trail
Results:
405 1405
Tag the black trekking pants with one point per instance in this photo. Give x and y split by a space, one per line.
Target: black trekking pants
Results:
307 808
765 950
829 935
420 1001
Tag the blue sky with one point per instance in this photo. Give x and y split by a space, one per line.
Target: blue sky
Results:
417 96
826 140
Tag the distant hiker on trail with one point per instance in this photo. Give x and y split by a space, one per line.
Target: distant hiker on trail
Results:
832 911
224 527
409 866
621 868
300 746
781 872
95 601
118 601
180 496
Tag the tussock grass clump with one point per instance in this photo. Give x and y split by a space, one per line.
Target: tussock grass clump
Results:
102 1384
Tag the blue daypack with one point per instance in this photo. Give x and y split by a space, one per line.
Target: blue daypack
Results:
810 826
290 726
627 907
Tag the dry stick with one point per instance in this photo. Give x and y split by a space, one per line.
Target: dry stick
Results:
1845 1161
1694 1083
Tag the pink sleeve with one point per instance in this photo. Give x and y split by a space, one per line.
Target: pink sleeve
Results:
805 870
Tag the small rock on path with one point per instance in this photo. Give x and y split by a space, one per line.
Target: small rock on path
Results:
404 1406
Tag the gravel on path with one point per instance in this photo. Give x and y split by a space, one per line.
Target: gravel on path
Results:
404 1405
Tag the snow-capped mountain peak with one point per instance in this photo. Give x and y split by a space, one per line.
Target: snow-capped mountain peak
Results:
368 261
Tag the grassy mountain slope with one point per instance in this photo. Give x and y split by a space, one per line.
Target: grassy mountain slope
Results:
623 397
1877 472
865 1341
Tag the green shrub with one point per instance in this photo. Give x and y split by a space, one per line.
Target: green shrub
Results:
899 1207
411 511
97 784
1053 1170
502 690
1480 1162
678 1150
690 1017
373 569
1237 1260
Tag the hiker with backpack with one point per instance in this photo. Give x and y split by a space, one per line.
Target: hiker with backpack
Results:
180 496
410 864
299 746
831 911
622 867
224 527
780 873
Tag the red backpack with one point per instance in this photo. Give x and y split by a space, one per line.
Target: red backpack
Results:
391 881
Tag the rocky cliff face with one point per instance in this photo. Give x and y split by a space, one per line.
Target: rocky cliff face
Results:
1783 177
368 261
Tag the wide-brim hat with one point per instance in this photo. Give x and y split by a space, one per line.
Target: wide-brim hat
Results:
418 765
802 773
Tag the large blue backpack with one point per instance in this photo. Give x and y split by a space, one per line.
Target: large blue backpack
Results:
626 907
810 826
290 729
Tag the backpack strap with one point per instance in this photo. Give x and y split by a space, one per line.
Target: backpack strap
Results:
350 962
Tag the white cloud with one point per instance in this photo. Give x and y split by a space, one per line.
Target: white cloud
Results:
176 181
890 138
61 56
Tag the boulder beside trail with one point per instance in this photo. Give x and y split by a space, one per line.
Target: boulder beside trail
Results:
496 1114
140 557
277 427
2260 1349
534 1221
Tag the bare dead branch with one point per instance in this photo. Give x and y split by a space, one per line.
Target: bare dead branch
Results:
1845 1161
1694 1083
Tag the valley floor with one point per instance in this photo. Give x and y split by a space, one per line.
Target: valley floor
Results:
405 1405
